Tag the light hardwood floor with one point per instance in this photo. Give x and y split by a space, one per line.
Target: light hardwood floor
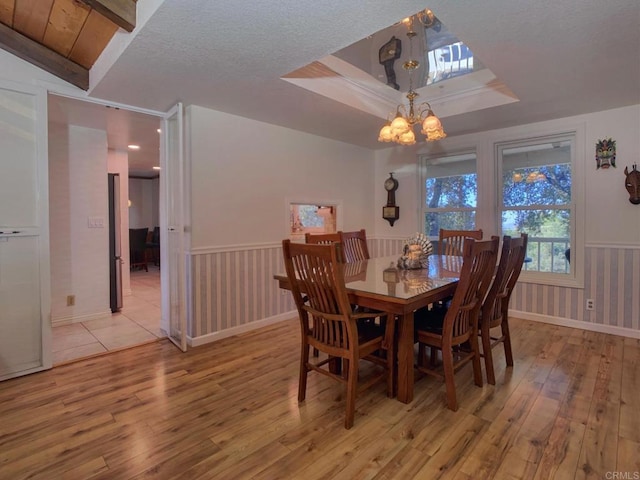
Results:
570 408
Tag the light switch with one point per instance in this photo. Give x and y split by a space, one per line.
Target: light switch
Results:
96 222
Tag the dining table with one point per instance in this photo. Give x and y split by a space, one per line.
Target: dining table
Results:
378 283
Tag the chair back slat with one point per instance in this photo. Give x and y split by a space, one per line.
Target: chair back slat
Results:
327 239
322 238
512 257
479 261
354 245
451 242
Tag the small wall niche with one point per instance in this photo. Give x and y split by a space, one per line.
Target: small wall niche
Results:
311 218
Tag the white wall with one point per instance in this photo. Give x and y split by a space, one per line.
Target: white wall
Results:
242 175
78 191
244 171
611 218
143 194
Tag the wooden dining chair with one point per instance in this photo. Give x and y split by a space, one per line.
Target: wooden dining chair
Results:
328 323
451 242
138 248
494 312
354 245
454 328
326 239
322 238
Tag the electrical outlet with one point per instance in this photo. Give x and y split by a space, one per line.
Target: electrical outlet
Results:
591 304
71 300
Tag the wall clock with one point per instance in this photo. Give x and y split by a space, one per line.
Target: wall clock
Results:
390 211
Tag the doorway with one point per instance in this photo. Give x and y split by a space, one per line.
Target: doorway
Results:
78 164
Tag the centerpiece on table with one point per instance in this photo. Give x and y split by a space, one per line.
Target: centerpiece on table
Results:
415 252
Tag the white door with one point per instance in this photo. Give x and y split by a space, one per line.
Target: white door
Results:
25 296
172 232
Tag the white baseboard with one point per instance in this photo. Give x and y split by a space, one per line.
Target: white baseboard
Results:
56 322
229 332
535 317
567 322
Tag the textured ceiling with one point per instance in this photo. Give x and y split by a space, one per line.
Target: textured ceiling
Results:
559 58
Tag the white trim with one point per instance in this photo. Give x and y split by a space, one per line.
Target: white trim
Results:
389 237
229 332
79 318
265 246
107 103
567 322
612 245
234 248
44 240
20 373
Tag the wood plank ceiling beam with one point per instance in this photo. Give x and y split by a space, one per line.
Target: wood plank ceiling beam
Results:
120 12
41 56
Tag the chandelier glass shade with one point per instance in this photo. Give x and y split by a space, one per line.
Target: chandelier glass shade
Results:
400 128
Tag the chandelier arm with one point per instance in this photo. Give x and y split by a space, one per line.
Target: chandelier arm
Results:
423 109
400 129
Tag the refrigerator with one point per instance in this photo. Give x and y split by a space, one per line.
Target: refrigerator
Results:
115 244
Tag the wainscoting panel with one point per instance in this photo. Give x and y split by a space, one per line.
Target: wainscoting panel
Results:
612 280
234 288
383 247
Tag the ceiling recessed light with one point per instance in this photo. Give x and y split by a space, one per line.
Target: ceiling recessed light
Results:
159 131
134 147
156 168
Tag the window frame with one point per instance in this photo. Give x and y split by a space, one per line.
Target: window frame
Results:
485 145
575 277
425 161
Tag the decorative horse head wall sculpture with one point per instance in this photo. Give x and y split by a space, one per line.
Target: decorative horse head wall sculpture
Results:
632 183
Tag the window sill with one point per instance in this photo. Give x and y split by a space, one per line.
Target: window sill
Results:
551 279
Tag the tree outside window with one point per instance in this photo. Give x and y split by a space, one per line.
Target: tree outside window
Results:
451 193
536 192
536 199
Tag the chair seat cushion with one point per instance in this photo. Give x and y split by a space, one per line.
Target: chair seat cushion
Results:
429 320
368 331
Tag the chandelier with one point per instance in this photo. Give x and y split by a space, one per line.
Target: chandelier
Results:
400 129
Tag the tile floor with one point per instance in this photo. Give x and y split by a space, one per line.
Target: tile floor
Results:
138 322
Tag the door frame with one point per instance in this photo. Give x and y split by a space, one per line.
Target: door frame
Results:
172 188
41 229
165 177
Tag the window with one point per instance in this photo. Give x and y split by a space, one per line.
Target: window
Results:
535 197
510 186
450 193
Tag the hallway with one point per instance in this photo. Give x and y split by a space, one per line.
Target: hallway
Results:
138 323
